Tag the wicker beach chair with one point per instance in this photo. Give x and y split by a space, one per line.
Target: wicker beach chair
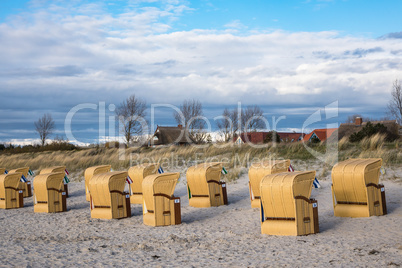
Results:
355 188
160 207
90 172
25 186
11 195
49 196
56 169
205 189
108 199
258 171
286 207
137 174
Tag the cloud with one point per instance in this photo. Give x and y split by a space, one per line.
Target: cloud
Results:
59 56
359 52
44 71
236 24
396 35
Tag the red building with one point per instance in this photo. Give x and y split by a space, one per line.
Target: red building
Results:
259 137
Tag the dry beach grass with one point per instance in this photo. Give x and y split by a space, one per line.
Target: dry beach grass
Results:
236 158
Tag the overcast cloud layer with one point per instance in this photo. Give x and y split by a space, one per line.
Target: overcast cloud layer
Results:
58 56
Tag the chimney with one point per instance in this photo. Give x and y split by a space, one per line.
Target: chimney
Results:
358 121
180 126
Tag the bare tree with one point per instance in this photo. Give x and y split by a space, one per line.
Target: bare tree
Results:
192 113
131 113
395 104
225 124
44 126
228 123
252 118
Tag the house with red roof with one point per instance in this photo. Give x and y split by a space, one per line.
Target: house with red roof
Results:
291 136
251 137
259 137
321 134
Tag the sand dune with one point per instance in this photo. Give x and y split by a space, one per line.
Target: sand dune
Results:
226 236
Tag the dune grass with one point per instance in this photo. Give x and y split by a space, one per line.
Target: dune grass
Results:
178 158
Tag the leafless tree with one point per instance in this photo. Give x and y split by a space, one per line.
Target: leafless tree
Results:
225 125
44 126
252 118
228 123
192 113
131 113
395 104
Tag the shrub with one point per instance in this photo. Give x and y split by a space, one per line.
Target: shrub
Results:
272 136
369 130
58 144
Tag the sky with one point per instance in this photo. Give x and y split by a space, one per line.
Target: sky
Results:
79 59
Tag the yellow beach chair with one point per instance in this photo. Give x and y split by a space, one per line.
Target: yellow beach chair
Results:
90 172
258 171
108 199
49 196
26 186
205 189
355 188
286 207
11 195
137 174
160 207
57 169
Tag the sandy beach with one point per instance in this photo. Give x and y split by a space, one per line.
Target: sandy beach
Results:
225 236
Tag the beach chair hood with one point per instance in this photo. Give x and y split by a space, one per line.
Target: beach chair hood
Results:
355 187
9 190
108 196
158 200
25 186
204 185
44 182
54 169
286 207
257 171
199 175
92 171
103 184
137 174
23 170
9 181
